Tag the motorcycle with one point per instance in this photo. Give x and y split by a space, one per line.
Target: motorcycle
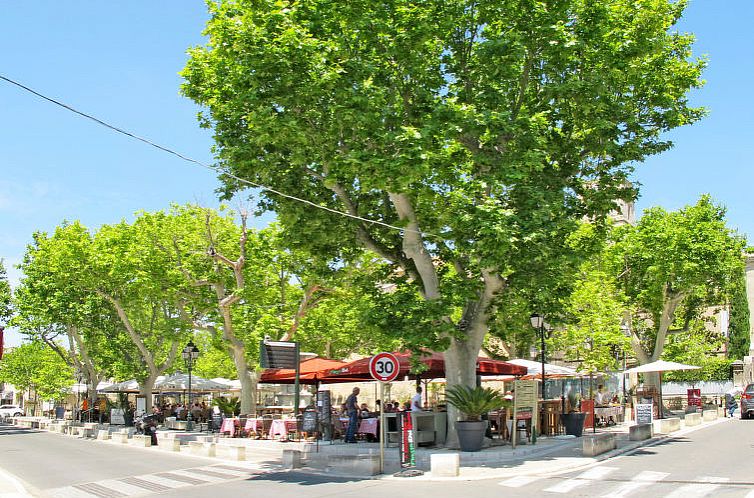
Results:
147 424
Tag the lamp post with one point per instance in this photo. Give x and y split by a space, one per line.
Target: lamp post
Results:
190 353
626 330
538 323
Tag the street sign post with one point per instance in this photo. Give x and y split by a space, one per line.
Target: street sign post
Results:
384 367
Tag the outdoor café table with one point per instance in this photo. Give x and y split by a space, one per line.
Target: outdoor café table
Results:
366 426
281 427
229 425
608 415
254 425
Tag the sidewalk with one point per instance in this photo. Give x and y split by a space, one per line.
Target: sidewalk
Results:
553 456
550 456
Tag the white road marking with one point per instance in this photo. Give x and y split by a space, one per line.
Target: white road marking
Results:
168 483
519 481
703 488
126 489
641 480
69 492
591 475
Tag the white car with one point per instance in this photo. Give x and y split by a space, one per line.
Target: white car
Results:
11 411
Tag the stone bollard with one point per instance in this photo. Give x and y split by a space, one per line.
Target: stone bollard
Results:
445 465
596 444
709 415
142 440
640 432
120 437
666 425
202 449
103 435
291 459
692 419
235 452
169 444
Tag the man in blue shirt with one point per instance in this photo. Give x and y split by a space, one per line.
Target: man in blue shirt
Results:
352 406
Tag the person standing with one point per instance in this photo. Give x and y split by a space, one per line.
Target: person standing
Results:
352 407
416 401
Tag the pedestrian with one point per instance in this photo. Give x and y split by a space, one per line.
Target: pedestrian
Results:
416 401
352 407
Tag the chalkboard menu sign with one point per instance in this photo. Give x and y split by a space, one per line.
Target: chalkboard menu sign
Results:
324 406
310 421
644 413
217 421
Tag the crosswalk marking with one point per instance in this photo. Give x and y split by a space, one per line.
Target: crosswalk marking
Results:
641 480
122 487
519 481
155 483
593 474
704 487
99 490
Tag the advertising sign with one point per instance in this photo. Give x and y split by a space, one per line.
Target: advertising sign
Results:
694 397
406 445
524 405
644 413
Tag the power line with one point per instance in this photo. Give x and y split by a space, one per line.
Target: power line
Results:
216 169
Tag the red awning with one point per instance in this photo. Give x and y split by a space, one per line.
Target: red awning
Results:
308 372
435 362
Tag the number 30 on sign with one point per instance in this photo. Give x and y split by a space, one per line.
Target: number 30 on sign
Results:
384 367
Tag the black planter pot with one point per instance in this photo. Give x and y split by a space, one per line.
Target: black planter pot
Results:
471 435
573 423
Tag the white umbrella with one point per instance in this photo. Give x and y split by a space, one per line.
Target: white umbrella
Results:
180 381
233 385
125 386
661 366
535 368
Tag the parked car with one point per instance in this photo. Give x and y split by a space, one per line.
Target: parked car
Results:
11 411
747 402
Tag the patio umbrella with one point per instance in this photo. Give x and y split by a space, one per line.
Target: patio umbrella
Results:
309 372
660 366
127 386
180 381
534 369
358 370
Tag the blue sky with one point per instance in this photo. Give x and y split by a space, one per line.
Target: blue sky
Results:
119 61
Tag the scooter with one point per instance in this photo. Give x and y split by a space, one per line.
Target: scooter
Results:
147 425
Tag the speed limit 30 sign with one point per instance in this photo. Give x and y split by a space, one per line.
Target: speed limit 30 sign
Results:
384 367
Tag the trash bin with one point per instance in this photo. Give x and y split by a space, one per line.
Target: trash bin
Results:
60 412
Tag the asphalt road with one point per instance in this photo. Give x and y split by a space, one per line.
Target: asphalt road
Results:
713 461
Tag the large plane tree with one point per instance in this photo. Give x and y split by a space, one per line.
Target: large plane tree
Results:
484 130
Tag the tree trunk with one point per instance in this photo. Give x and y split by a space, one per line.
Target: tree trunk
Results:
146 390
247 378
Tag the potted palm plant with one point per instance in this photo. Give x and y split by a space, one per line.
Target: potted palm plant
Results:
473 403
573 420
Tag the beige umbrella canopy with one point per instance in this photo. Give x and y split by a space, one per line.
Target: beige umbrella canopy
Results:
661 366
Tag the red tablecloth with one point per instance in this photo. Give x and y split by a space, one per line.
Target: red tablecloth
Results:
282 427
366 426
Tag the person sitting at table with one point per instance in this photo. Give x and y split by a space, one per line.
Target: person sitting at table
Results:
364 411
602 397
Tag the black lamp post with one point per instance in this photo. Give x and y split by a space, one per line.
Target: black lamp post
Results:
626 330
190 353
538 322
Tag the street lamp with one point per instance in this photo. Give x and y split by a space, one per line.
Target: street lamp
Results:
190 353
538 322
626 330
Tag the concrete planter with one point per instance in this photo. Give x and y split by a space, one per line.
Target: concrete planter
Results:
470 435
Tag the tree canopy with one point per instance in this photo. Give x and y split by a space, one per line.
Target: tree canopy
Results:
484 131
673 265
